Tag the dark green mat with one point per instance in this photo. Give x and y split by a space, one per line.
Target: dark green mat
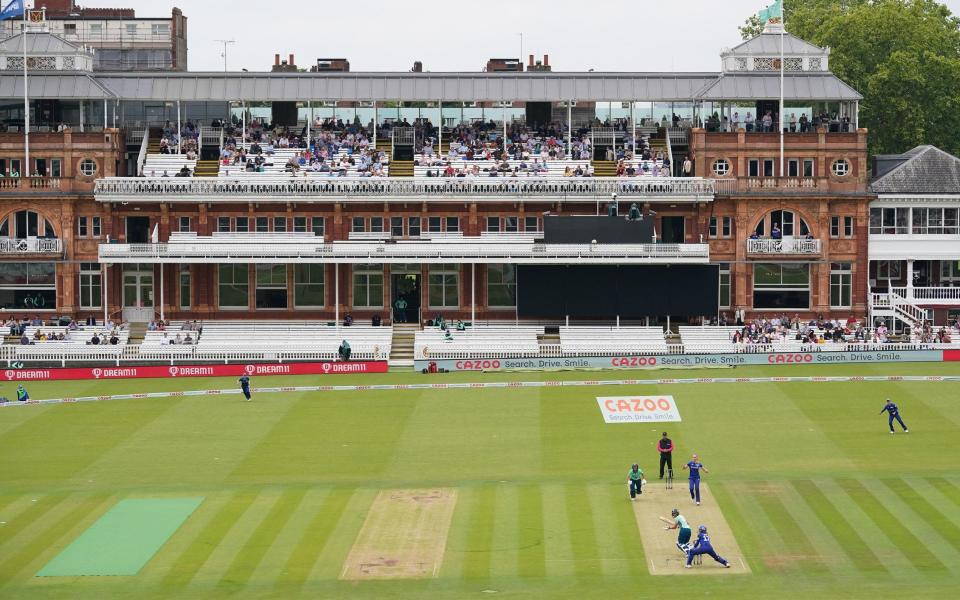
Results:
124 539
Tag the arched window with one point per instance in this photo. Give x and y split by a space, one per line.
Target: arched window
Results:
786 222
26 224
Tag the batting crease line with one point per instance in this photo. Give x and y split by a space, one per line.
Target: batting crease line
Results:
491 384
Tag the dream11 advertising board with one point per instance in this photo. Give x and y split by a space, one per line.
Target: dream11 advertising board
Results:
178 371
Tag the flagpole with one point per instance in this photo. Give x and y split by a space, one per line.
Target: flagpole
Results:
780 116
25 170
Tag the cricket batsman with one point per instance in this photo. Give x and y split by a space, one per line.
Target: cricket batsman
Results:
894 413
679 522
245 386
635 481
703 546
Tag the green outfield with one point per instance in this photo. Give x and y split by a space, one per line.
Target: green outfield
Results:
479 493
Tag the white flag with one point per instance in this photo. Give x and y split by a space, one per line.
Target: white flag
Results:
155 237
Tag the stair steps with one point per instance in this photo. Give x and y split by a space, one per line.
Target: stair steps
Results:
207 168
401 347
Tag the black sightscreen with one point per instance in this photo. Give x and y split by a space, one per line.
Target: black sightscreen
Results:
604 292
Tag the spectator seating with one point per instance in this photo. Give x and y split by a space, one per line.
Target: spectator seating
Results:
74 344
697 339
486 341
275 165
555 167
156 165
77 337
276 338
594 341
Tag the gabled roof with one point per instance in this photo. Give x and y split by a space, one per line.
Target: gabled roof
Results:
923 170
769 44
766 86
38 44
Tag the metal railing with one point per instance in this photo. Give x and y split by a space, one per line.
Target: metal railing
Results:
928 294
213 249
783 246
31 246
282 189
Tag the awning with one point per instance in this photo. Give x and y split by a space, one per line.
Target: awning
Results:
796 87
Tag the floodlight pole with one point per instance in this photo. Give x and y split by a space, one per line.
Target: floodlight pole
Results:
225 44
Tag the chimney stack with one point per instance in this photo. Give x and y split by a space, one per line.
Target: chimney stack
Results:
546 60
276 60
531 60
291 62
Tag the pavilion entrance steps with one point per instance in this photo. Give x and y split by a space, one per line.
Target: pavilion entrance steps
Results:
604 168
207 168
401 347
138 331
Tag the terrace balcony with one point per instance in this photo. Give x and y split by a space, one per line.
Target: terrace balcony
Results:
930 296
780 247
33 245
342 189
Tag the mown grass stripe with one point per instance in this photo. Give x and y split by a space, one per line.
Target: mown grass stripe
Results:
929 513
800 552
608 538
824 544
478 546
163 562
48 541
454 553
505 539
530 534
314 537
248 558
947 488
853 545
914 550
756 535
583 536
272 563
32 514
557 548
196 555
346 530
616 526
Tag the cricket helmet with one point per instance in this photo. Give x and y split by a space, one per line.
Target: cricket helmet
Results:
674 512
635 466
702 529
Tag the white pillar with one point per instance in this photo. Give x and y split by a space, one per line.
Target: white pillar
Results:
473 295
106 122
81 116
106 296
161 292
569 128
910 279
440 129
375 117
309 121
503 106
179 141
243 123
336 294
633 125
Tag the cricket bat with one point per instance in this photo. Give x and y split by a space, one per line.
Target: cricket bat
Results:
666 520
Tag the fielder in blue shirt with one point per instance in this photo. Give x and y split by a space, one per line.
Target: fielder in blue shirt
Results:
245 387
703 546
22 395
695 466
894 413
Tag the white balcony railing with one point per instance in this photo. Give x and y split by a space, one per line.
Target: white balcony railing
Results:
929 295
783 246
270 188
257 249
30 246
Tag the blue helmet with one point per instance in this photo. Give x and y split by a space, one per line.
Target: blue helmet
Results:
702 529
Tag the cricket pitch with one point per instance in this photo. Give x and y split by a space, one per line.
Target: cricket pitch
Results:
660 547
403 537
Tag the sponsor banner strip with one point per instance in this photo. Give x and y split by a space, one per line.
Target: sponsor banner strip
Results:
493 384
690 360
177 371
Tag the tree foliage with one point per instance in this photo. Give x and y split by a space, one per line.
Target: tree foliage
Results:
902 55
